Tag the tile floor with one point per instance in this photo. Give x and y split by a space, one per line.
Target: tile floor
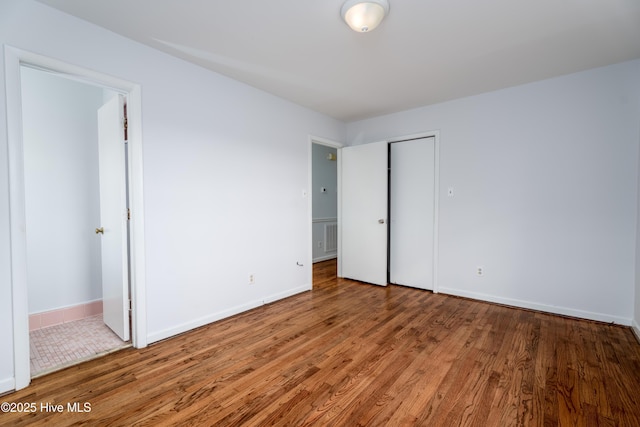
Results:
59 346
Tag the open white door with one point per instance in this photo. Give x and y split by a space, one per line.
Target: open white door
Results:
113 217
363 207
412 198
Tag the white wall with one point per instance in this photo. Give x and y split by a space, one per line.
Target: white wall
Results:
545 191
60 137
221 160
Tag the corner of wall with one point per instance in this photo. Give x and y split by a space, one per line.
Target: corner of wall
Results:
636 297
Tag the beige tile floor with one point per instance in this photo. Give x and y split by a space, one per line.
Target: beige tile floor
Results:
59 346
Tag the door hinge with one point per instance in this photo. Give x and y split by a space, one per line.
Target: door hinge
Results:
130 305
129 214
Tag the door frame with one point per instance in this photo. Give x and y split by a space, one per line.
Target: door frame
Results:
14 59
436 194
309 194
427 134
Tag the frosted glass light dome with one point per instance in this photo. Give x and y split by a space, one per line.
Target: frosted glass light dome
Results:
363 16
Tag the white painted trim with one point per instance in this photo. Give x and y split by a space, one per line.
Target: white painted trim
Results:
326 142
553 309
214 317
636 329
337 146
286 294
323 220
14 58
339 266
136 224
17 218
436 213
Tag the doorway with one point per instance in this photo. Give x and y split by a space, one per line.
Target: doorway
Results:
63 205
15 60
323 164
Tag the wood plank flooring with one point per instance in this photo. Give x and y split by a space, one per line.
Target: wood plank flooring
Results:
349 354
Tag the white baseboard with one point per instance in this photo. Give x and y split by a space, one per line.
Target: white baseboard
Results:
213 317
601 317
286 294
325 258
636 329
7 385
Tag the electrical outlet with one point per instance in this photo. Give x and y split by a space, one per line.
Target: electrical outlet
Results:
252 279
480 271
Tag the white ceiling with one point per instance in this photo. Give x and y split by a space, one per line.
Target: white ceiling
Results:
424 52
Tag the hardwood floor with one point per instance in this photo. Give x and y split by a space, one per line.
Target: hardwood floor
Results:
350 354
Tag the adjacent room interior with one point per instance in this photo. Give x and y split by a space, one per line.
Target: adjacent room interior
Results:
62 205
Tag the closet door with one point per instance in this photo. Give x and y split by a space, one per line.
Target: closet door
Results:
412 203
363 208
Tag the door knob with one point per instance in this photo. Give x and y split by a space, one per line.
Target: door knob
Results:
100 230
381 221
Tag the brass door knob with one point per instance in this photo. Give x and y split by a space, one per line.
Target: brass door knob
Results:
100 230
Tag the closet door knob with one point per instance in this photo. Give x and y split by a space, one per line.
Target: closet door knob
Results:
381 221
100 230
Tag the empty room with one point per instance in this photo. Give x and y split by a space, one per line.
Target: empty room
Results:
320 213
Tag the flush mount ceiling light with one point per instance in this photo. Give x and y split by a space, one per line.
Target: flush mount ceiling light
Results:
364 15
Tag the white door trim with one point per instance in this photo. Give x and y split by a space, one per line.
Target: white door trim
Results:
338 146
14 58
